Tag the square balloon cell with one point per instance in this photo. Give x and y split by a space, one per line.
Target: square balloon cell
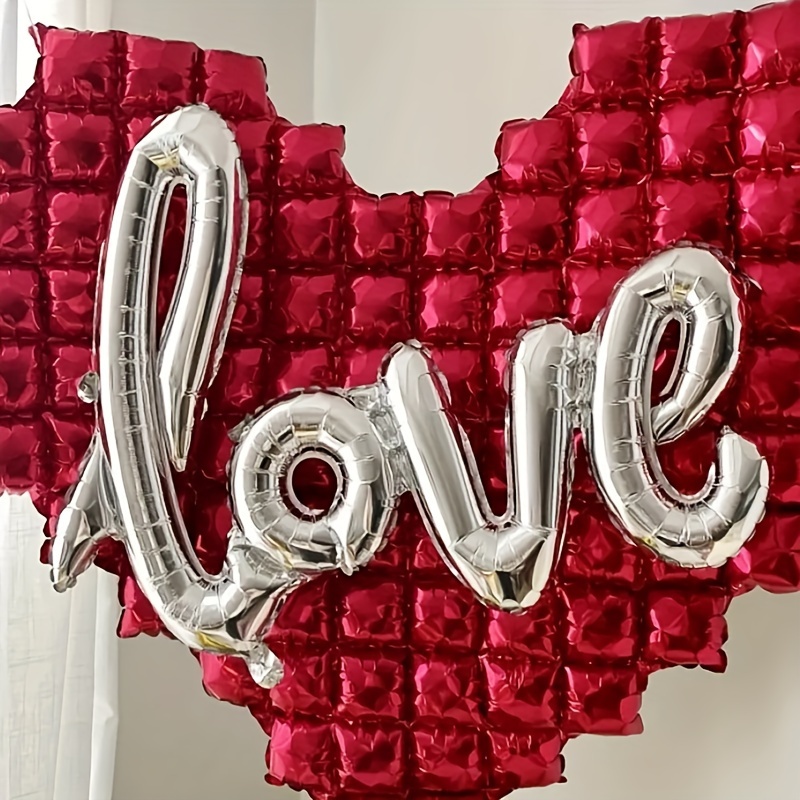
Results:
373 684
611 145
80 69
530 228
69 363
253 138
449 306
379 230
302 753
309 157
427 558
80 147
520 298
770 47
448 759
446 688
444 616
227 678
159 75
251 309
520 694
610 67
534 153
301 367
774 553
773 306
462 368
135 129
22 446
372 611
527 759
257 246
307 229
17 144
697 54
772 391
769 215
19 302
529 636
690 212
72 292
687 628
306 620
22 387
603 700
769 129
610 224
138 616
371 757
595 549
240 369
361 365
600 625
782 453
20 218
67 438
588 289
306 686
378 306
455 229
236 85
305 305
76 219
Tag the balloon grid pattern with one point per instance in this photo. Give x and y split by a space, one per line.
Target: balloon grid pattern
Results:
398 682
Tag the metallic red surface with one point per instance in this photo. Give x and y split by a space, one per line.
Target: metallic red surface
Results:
398 683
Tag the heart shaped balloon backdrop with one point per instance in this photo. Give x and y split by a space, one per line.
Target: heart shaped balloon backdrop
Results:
398 681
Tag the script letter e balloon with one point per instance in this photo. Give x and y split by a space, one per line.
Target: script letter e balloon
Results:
691 286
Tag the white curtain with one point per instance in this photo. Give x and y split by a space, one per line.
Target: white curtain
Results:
58 653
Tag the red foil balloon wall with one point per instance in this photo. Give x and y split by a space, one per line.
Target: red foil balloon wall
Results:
399 683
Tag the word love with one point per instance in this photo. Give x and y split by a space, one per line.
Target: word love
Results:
397 435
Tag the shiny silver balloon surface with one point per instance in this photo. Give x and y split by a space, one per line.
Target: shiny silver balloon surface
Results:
600 382
505 560
385 439
147 410
692 287
328 427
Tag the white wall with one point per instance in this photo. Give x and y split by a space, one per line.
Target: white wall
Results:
423 86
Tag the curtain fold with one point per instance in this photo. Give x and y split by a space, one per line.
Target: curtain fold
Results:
58 672
58 653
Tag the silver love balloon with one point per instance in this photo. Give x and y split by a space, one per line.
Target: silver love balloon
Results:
505 560
601 383
146 410
332 428
380 441
690 286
